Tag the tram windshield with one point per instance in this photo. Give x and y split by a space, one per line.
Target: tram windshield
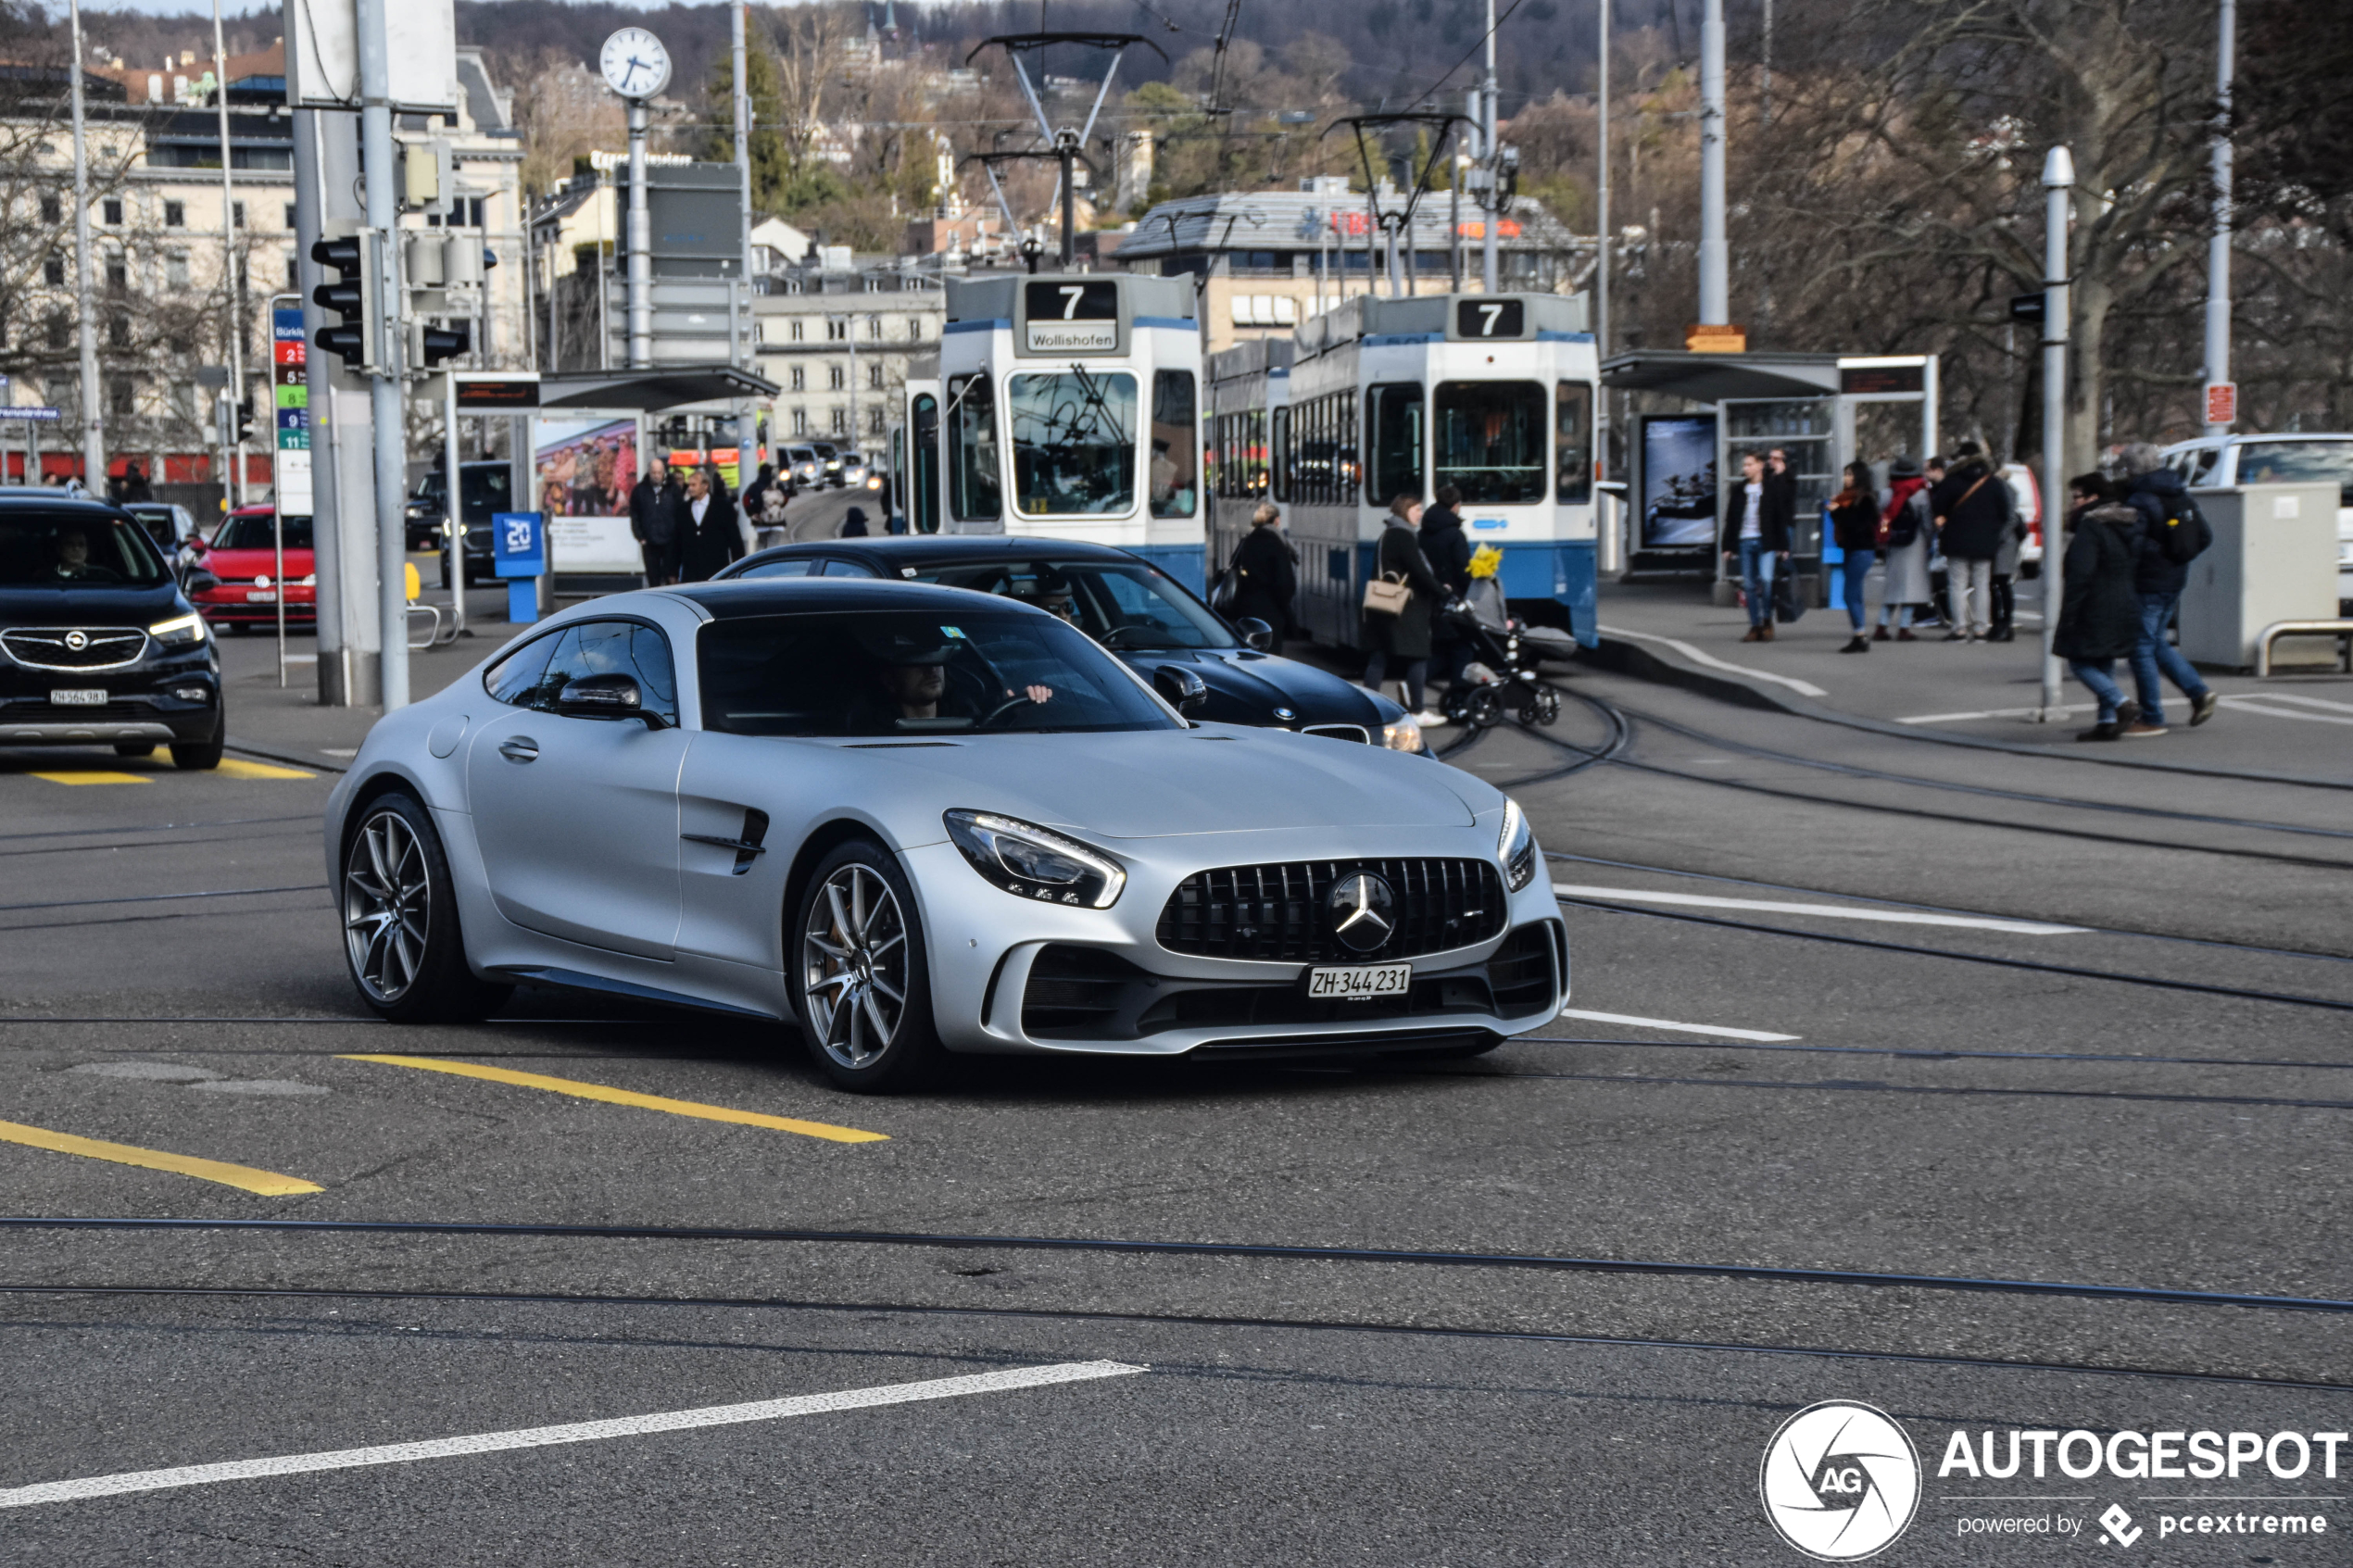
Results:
1491 439
1074 441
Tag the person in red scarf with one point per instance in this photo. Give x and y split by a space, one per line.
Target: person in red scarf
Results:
1905 527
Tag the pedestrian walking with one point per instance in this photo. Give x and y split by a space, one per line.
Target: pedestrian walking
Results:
653 519
1757 537
708 533
1265 573
756 494
1973 508
2173 533
854 525
1905 538
1855 528
2099 617
1447 549
1402 578
2006 560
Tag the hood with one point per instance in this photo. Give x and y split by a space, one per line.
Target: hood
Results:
2160 482
1218 779
1245 687
112 605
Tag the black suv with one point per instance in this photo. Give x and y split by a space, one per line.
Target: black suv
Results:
99 645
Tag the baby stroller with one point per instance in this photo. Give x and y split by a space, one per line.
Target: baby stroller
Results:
1504 671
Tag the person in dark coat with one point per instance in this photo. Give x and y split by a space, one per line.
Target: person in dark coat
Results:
1266 572
1757 540
134 484
2157 494
1448 550
1855 528
709 536
654 517
756 493
1405 636
1973 508
2099 619
853 523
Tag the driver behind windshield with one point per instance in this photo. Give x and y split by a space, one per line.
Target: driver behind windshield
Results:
73 564
1049 591
911 687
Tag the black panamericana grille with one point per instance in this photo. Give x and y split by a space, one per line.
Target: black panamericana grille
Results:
55 648
1277 911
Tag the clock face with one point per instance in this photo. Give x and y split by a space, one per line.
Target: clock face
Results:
635 65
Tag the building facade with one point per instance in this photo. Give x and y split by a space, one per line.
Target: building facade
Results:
838 339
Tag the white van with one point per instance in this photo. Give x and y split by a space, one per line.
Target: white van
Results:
2215 461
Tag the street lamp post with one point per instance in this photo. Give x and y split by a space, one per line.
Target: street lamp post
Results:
2058 180
232 284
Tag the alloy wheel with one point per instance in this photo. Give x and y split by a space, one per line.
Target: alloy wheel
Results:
854 965
387 906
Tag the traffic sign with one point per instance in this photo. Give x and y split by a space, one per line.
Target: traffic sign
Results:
2221 402
28 411
519 544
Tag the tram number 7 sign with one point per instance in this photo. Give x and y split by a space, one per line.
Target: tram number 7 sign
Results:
1490 317
1063 317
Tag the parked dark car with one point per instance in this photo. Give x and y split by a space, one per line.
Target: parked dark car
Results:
488 490
99 645
1133 608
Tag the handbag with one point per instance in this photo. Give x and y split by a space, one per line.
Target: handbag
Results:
1786 606
1222 592
1387 595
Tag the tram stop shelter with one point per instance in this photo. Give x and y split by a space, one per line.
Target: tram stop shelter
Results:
1705 409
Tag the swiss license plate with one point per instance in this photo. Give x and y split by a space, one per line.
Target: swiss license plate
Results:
78 696
1359 982
261 596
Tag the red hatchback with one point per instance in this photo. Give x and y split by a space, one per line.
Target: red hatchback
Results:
242 555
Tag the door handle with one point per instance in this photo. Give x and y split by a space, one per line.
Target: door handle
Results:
519 748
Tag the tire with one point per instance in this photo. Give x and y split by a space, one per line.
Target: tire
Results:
1486 708
134 748
199 756
402 945
856 937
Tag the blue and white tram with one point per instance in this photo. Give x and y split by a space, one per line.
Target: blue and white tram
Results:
1063 405
1492 394
1247 384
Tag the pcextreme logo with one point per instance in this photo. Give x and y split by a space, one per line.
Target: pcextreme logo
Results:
1839 1481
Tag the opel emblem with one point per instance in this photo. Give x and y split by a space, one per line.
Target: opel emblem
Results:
1363 912
77 641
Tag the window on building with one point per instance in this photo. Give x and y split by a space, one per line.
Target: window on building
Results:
799 419
833 378
52 211
836 329
800 378
119 330
875 328
841 422
914 329
874 422
122 397
293 273
110 210
798 331
874 374
175 214
290 215
117 275
53 271
175 270
237 215
56 328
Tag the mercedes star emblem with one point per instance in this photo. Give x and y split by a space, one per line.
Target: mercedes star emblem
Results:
1363 912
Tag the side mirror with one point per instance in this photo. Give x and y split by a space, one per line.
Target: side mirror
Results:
1256 632
1185 691
607 696
199 580
196 543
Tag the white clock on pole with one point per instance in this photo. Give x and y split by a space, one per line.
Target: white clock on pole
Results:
634 63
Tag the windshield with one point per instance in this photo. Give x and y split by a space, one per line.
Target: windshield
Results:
1491 439
2300 462
76 550
1074 441
897 673
1127 606
253 532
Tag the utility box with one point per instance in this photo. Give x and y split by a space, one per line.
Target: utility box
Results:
2273 559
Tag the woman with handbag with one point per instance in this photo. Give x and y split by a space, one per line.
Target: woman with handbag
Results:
1854 528
1399 604
1905 537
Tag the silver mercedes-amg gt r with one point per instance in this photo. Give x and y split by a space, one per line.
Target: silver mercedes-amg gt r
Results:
912 820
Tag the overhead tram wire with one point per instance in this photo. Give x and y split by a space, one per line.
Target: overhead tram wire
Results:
1477 44
1190 1320
2153 1294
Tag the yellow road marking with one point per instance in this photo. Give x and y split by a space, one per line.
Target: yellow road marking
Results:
629 1097
91 776
268 1183
231 767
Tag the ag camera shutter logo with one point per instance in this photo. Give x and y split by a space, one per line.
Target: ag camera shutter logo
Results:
1839 1481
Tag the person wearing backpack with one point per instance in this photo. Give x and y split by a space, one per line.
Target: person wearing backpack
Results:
2099 618
2173 533
1973 508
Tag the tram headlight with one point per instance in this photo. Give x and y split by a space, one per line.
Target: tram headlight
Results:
1404 736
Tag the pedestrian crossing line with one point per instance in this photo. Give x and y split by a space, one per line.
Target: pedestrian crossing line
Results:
610 1095
267 1184
90 776
236 768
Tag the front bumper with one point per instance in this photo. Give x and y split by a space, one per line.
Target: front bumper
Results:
140 706
228 606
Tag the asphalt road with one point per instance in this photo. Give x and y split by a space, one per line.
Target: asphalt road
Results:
1784 1075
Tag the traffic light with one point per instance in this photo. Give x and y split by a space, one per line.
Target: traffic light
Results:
244 418
357 339
429 345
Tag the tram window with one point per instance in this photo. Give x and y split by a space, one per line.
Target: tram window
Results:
1176 471
1573 442
924 511
1490 441
1282 454
973 493
1074 436
1393 432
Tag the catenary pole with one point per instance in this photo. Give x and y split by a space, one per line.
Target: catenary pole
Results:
2058 180
1604 512
94 430
230 283
383 385
2217 249
745 432
1493 201
1715 259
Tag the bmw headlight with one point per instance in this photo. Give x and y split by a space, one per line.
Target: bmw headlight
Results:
1516 843
1404 736
180 631
1029 862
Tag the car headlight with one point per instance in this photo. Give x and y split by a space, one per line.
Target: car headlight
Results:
180 631
1516 845
1404 736
1029 862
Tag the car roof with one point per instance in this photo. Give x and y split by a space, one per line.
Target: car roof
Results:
48 497
788 595
934 550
